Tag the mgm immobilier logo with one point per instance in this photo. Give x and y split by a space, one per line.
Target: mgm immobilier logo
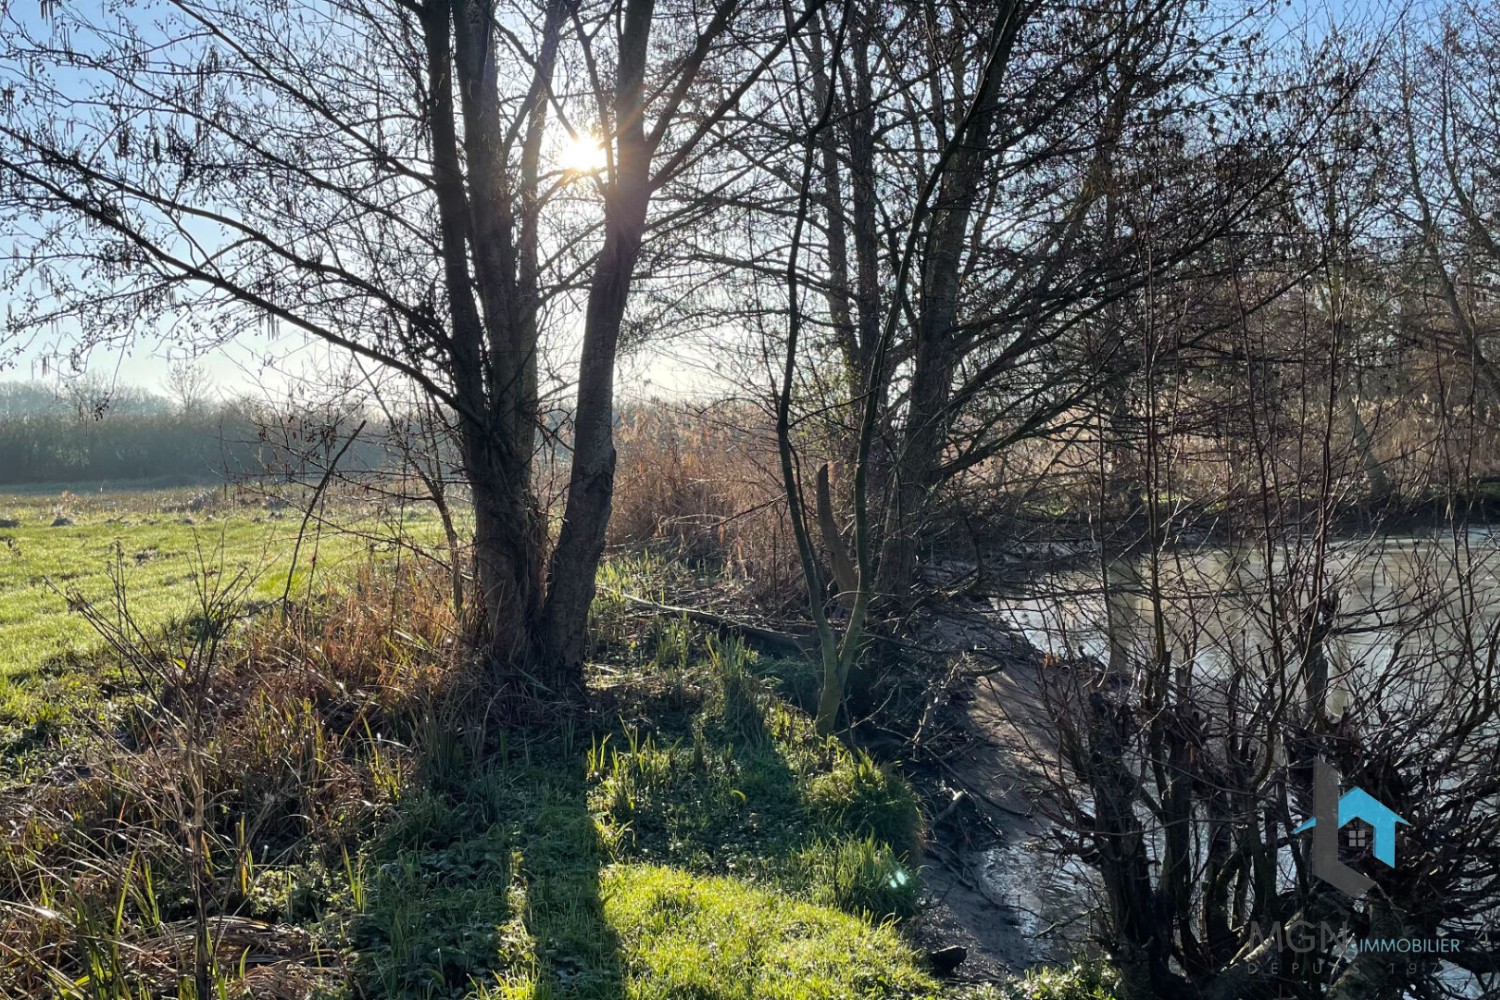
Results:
1331 813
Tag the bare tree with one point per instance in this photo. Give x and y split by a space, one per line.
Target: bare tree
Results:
1442 93
967 230
190 387
381 176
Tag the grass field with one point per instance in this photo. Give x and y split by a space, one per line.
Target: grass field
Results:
157 547
373 829
377 834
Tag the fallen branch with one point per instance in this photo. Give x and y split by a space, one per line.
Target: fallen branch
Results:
767 640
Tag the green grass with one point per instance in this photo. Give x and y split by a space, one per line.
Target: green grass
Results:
692 838
510 888
730 853
159 556
721 938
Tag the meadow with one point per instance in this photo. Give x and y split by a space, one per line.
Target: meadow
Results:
374 832
374 826
151 549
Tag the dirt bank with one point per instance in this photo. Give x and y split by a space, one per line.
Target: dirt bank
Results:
996 888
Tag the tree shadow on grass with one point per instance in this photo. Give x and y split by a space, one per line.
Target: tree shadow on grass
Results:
489 882
488 885
576 950
712 792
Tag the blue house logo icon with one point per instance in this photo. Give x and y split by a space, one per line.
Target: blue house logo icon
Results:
1331 812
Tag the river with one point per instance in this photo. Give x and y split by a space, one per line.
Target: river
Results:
1403 619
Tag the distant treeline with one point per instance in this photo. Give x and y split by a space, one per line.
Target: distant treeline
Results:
48 448
47 437
90 432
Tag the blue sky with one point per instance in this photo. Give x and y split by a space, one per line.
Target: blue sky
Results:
255 361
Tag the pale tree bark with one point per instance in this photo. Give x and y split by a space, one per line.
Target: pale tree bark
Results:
1429 227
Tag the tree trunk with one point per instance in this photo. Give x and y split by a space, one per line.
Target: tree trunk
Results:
580 545
508 541
492 359
921 448
919 457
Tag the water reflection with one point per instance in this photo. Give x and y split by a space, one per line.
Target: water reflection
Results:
1051 897
1433 598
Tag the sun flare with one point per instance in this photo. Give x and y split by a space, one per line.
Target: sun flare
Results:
582 154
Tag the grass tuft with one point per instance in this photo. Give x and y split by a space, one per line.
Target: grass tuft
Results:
1082 981
868 798
861 875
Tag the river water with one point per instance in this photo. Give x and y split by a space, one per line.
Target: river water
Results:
1427 599
1433 597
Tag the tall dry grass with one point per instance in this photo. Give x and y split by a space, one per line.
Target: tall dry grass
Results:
703 486
307 731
